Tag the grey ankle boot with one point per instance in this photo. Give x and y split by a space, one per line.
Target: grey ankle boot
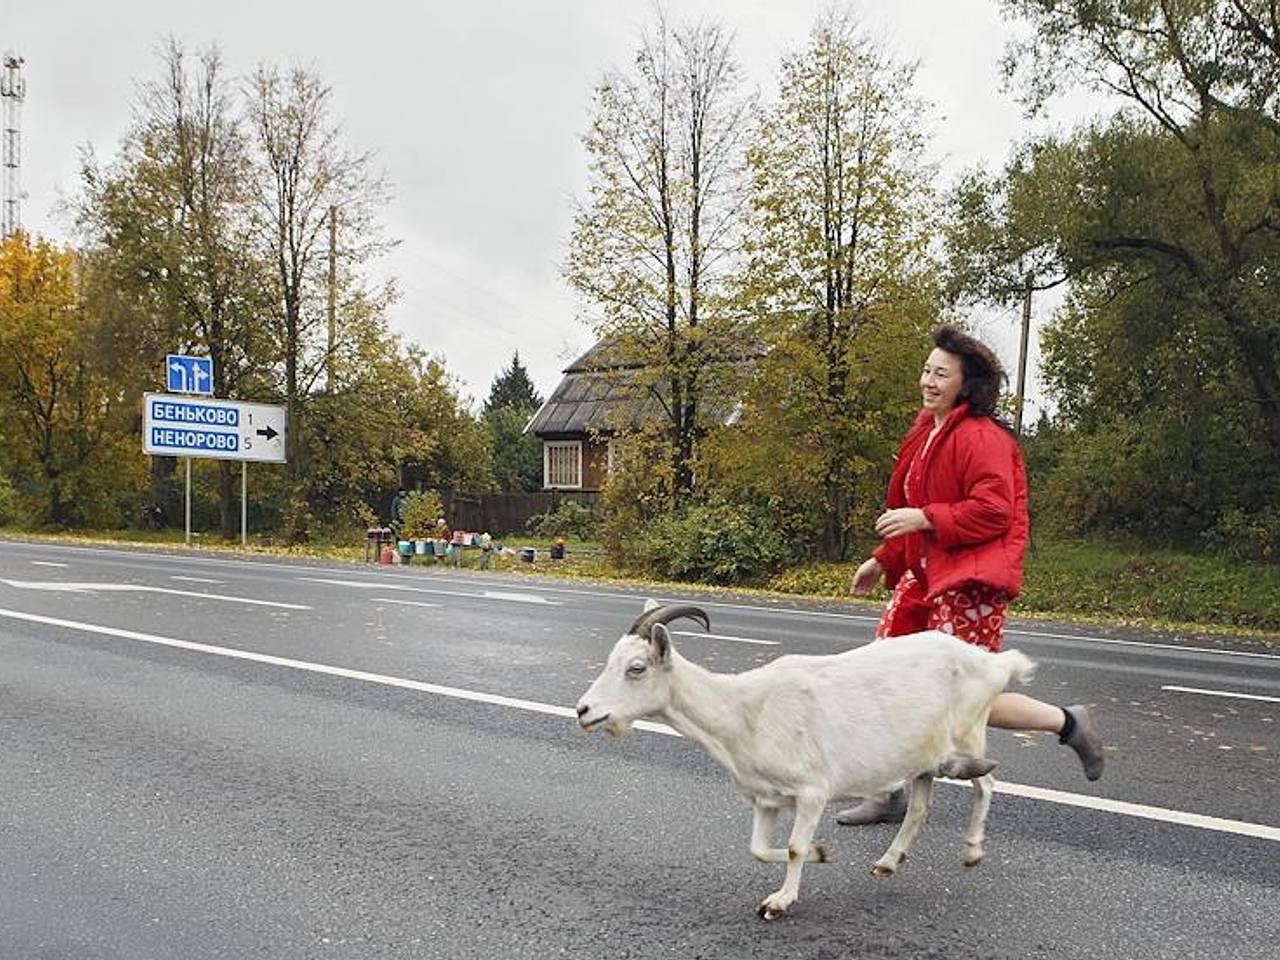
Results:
1085 740
886 808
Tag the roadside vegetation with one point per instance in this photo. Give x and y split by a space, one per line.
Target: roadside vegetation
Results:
764 267
1116 584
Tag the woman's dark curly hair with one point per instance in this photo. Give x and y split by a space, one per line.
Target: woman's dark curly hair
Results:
983 373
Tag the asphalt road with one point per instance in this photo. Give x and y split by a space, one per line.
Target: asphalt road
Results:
212 758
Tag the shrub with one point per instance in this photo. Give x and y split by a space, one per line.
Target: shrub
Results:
11 511
1249 535
419 515
569 519
716 542
636 493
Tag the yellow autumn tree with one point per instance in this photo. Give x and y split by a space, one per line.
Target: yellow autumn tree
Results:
66 429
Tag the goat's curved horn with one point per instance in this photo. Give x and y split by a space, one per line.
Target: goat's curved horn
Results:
665 614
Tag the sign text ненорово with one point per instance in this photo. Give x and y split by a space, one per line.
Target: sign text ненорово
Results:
170 412
179 439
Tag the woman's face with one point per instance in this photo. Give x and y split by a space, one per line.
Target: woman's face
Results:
941 382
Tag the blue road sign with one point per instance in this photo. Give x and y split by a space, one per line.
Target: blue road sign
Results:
189 374
175 425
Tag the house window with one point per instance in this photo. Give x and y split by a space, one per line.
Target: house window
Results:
562 464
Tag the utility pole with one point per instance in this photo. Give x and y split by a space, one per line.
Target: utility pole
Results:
13 90
1022 357
333 297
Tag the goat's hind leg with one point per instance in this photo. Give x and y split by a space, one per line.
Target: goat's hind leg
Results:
983 787
762 825
917 810
800 849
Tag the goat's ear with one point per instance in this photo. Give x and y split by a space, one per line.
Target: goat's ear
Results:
651 604
660 644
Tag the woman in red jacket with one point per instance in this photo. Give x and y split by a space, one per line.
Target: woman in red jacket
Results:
954 534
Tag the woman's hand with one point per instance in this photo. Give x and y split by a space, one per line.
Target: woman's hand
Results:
866 577
895 523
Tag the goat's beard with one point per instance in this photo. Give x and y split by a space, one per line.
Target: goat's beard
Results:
617 731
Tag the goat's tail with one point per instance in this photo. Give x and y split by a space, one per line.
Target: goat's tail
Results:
1018 666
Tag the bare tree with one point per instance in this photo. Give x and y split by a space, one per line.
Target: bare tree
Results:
840 255
170 255
303 171
654 246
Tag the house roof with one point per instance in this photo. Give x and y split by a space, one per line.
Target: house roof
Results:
603 392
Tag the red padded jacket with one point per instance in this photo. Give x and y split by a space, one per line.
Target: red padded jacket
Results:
974 492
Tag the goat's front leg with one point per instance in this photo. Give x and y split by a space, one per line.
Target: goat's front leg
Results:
762 834
917 810
983 787
799 849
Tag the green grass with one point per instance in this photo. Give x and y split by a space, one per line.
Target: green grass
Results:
1145 583
1112 583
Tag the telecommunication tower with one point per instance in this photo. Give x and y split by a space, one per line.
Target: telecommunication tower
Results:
13 90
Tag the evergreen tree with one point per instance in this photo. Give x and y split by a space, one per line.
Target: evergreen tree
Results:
512 388
516 456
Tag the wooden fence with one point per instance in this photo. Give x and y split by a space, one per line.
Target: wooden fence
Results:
504 514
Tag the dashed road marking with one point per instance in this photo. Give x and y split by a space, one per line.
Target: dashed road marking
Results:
1221 693
725 636
508 596
91 586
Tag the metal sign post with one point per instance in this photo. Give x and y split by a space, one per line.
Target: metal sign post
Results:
186 426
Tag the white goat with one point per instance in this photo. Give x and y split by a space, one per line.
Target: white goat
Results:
804 730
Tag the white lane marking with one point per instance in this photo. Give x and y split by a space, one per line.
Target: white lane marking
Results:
724 636
640 598
1146 644
1142 811
469 594
370 585
517 597
48 563
403 603
1122 807
455 692
195 579
1221 693
95 587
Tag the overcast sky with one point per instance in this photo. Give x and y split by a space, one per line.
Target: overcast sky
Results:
475 113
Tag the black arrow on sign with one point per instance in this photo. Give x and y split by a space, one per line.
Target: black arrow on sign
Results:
269 432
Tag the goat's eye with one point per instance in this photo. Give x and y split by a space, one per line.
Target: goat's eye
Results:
636 667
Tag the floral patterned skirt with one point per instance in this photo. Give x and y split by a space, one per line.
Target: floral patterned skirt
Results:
974 612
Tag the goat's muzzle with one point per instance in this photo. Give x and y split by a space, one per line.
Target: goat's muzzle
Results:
591 724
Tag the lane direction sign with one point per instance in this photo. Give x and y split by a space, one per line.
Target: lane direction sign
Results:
185 426
185 374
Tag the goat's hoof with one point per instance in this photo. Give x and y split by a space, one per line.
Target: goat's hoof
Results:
772 907
972 859
882 868
820 854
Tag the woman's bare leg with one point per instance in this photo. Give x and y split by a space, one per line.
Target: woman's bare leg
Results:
1017 711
